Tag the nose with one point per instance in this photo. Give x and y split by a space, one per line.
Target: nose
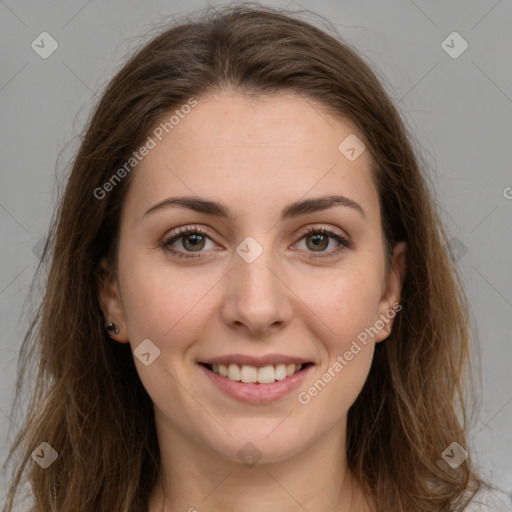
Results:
257 300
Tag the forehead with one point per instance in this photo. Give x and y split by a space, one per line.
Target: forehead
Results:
232 147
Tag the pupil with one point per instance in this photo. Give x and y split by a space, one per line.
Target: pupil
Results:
318 239
196 239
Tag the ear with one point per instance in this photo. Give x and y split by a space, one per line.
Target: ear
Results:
390 301
110 303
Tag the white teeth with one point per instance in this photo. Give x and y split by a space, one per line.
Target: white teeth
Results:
266 375
248 374
290 369
251 374
280 372
234 372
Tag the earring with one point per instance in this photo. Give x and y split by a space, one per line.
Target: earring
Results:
113 327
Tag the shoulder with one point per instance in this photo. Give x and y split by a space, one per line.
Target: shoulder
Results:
489 501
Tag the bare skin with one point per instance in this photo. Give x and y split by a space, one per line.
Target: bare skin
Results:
297 298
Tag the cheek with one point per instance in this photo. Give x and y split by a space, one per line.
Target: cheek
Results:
164 305
349 309
335 390
170 309
345 304
343 313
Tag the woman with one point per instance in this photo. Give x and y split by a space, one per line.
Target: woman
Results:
250 303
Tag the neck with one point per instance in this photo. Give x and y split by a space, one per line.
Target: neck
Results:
195 478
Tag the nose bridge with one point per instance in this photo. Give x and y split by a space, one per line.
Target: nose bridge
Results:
254 278
257 296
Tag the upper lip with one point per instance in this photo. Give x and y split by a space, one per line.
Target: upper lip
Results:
246 360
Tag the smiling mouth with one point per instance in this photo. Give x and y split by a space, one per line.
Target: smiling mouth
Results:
257 375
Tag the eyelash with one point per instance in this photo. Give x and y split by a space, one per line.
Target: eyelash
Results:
188 230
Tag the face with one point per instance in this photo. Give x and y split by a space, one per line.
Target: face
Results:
285 293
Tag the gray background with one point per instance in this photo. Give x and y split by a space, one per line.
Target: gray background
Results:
459 109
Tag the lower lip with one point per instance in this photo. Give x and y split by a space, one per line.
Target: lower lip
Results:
255 393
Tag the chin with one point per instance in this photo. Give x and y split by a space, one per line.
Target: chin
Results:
263 441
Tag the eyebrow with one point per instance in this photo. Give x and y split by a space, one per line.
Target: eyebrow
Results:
292 210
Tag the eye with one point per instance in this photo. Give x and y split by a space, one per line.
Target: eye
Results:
318 238
193 240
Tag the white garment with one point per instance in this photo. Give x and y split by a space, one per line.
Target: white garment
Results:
490 501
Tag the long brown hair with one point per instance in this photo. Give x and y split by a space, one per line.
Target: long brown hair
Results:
88 402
